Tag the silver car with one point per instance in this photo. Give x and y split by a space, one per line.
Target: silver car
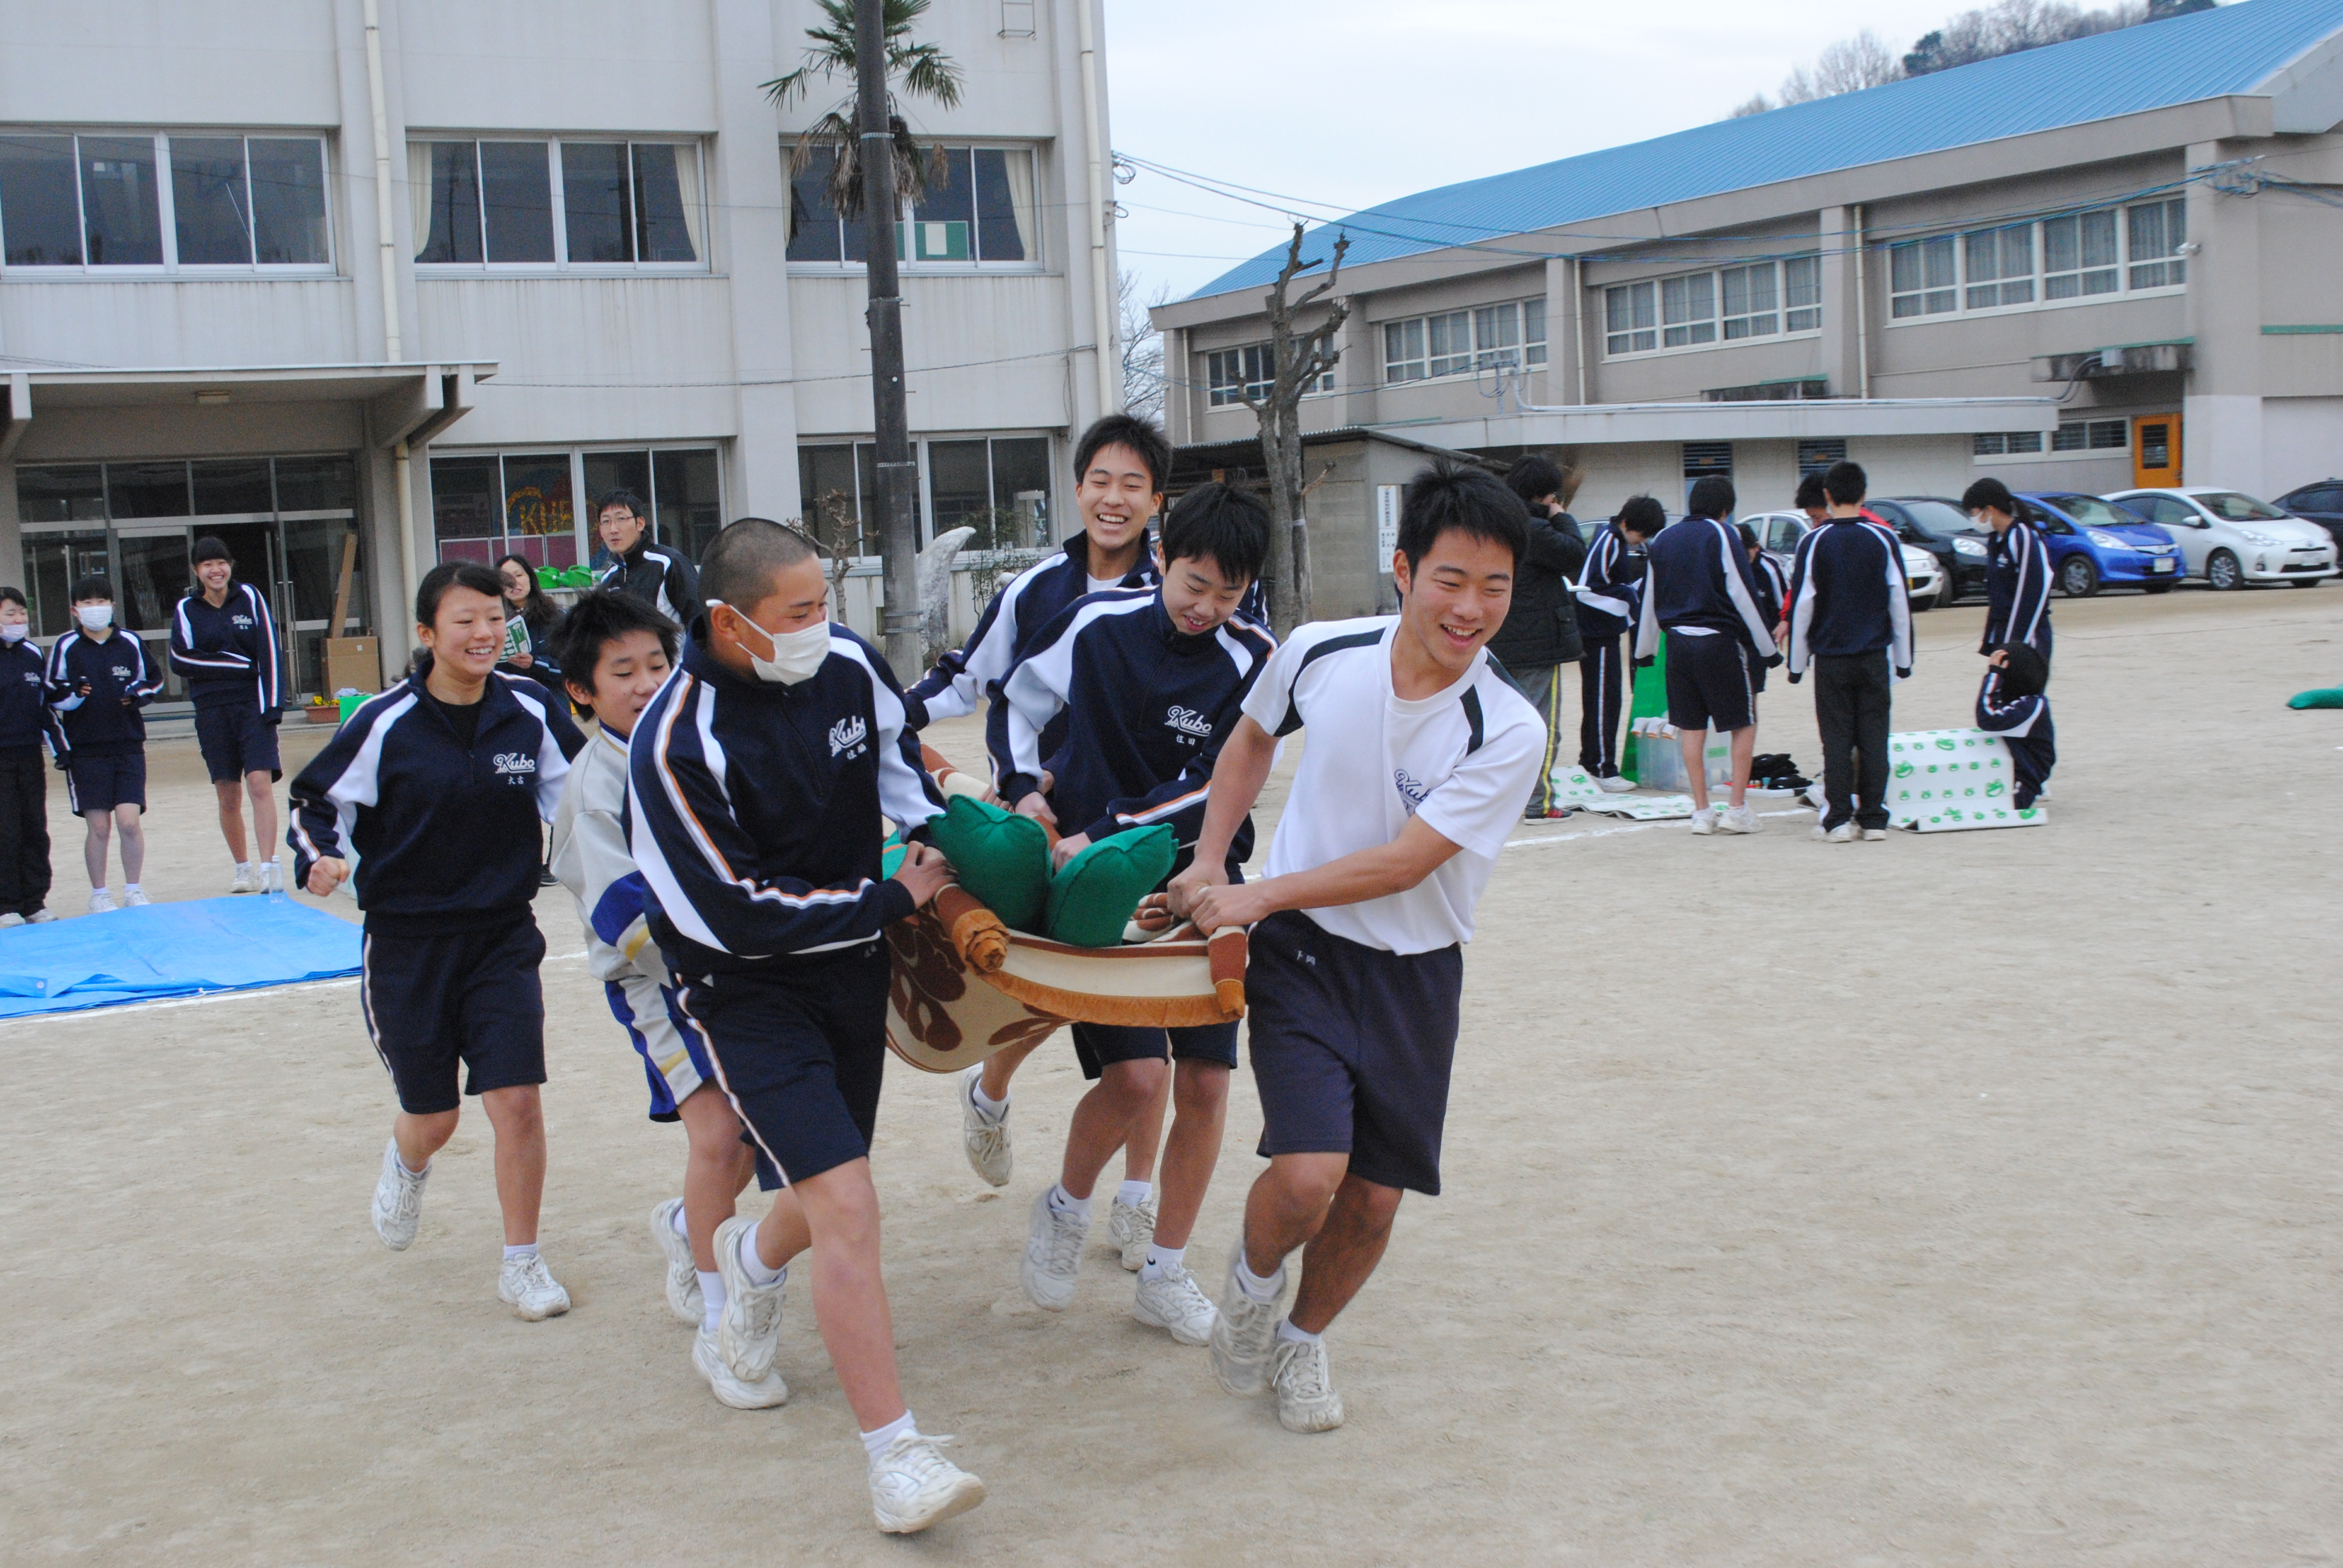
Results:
1778 534
2228 538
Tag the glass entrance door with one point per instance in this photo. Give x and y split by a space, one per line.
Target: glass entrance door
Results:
151 574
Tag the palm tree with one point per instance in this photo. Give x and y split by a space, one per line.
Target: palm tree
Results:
924 70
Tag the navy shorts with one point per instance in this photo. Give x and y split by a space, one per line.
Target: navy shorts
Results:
1351 1047
236 740
102 783
1097 1044
799 1046
456 997
1710 683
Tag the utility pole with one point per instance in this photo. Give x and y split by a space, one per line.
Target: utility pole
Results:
898 473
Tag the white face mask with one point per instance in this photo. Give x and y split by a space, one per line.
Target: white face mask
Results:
95 617
796 654
16 632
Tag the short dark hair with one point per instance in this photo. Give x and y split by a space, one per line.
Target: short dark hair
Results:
1846 484
1810 492
740 566
1534 479
1145 440
1448 498
210 547
1228 525
93 584
599 617
1712 496
473 574
1642 515
14 596
623 496
1748 536
1989 493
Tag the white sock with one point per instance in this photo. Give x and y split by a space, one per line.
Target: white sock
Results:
991 1109
1131 1194
244 867
418 1175
1065 1203
1162 1260
675 1221
130 887
526 1249
874 1443
1287 1331
711 1298
754 1266
1254 1286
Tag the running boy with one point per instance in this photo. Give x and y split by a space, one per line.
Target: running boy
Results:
26 721
435 788
1150 681
1700 592
99 679
1607 591
618 651
759 776
223 644
1419 752
1851 619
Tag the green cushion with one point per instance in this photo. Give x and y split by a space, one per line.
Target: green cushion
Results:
2331 696
1000 858
891 853
1093 896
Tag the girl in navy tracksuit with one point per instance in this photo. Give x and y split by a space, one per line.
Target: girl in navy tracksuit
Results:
435 788
26 720
1606 590
2015 705
224 643
100 679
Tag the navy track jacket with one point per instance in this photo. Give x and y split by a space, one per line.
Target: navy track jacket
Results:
1848 595
2017 589
1610 586
26 717
122 678
1697 574
754 808
228 656
444 838
1147 708
660 577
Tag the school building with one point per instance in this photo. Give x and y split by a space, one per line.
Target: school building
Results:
2106 263
436 275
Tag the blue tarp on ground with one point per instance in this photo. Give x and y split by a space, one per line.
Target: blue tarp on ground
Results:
169 950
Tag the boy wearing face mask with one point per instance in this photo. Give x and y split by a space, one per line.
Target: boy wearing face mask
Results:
26 722
99 679
760 778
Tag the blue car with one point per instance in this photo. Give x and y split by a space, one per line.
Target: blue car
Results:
2096 544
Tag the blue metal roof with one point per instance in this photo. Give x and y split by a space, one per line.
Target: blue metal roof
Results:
2233 48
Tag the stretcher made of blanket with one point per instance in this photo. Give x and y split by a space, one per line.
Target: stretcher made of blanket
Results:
964 985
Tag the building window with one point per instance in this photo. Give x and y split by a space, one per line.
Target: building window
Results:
1751 305
2000 266
1458 342
998 485
162 201
1631 318
490 504
2158 230
2078 255
1232 375
981 213
1817 455
1688 310
1761 299
1995 444
1920 278
2092 436
679 485
1702 458
555 202
1801 293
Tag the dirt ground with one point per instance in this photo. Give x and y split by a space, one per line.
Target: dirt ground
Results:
1965 1199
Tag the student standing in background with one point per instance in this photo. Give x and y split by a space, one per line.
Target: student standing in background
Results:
1608 592
1851 617
26 721
224 645
1541 632
99 679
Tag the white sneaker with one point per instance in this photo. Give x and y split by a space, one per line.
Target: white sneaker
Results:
136 899
1132 1227
1875 835
1306 1400
984 1138
100 901
40 917
11 919
532 1292
1243 1333
1615 785
1739 820
1842 834
1173 1301
683 1293
749 1334
1053 1254
1704 821
1817 796
247 882
913 1485
398 1200
769 1393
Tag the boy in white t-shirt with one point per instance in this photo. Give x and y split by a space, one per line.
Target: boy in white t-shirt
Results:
1419 755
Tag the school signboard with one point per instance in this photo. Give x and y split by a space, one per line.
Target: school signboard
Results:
1949 780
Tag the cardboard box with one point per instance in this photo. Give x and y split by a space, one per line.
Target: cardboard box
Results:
1949 780
354 663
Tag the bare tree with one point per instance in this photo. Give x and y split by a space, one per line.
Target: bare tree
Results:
1300 355
1143 350
1848 65
1756 103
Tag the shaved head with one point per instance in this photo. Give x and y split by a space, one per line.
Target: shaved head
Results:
741 567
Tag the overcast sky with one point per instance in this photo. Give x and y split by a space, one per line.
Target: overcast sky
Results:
1403 97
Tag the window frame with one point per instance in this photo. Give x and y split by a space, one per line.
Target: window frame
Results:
1036 262
1415 334
2126 266
1653 294
924 512
166 209
1222 392
558 208
581 503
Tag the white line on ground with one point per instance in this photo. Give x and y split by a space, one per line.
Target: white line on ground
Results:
1633 828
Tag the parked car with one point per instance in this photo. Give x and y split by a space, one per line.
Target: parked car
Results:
1939 526
2321 503
1778 534
2230 538
2095 543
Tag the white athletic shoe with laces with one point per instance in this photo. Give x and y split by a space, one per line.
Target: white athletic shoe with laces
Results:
1842 834
1054 1255
1615 785
768 1392
1738 820
749 1334
136 899
101 902
246 881
683 1294
913 1485
1132 1228
1173 1301
1306 1400
1704 821
1875 835
1243 1332
530 1290
984 1138
398 1200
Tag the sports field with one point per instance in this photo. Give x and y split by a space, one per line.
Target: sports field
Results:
1967 1199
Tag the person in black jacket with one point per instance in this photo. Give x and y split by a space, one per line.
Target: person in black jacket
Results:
26 722
99 679
1541 631
2014 703
438 785
1609 594
224 643
658 575
1851 617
